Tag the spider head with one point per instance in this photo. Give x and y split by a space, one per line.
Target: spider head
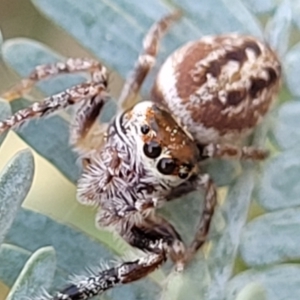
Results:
164 147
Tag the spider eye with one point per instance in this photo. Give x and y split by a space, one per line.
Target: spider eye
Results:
152 149
185 171
145 129
166 166
183 175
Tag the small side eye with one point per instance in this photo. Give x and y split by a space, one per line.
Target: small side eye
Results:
152 149
184 171
145 129
166 166
183 175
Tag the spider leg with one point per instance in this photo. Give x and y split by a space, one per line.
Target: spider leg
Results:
42 72
234 152
145 61
86 134
76 94
124 273
153 230
153 235
202 182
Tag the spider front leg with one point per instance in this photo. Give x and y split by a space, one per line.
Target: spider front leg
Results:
94 91
146 60
200 183
203 182
152 234
124 273
234 152
42 72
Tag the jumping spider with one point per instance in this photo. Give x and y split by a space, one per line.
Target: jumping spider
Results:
208 95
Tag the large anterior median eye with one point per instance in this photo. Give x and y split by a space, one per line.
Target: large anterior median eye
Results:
166 166
152 149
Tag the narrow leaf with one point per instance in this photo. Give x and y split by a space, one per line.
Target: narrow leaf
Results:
4 113
291 64
231 218
15 182
296 12
260 7
76 252
286 128
279 27
219 16
279 282
279 186
223 172
12 260
104 27
192 281
37 275
272 238
252 291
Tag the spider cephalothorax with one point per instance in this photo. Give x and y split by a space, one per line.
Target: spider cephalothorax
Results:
208 93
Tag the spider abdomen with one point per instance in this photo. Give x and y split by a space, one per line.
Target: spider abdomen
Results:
219 87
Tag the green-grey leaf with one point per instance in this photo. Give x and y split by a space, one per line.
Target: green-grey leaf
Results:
279 27
37 275
296 12
75 251
23 55
272 238
259 7
185 285
220 16
286 128
5 112
279 186
12 260
252 291
228 223
15 182
50 138
105 27
223 172
279 282
291 65
41 230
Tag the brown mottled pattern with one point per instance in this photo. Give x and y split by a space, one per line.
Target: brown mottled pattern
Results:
188 84
240 89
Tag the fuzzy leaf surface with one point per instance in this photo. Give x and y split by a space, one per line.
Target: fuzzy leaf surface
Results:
15 182
5 112
37 275
271 238
279 282
279 186
75 251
